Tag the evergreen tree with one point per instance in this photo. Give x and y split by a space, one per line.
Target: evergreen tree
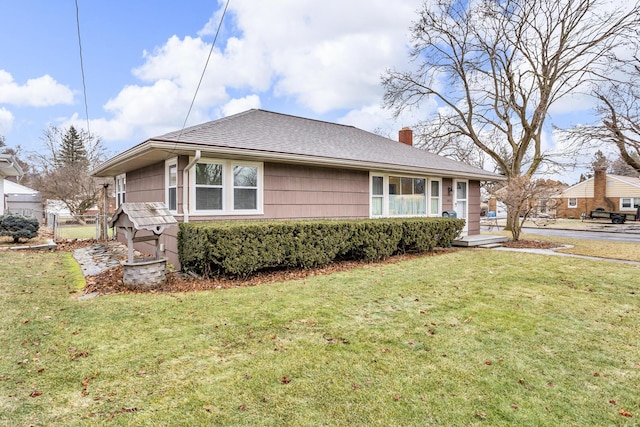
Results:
72 150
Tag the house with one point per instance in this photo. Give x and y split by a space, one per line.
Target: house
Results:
8 167
23 200
611 192
265 165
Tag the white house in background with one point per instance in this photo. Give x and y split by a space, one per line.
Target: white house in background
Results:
8 167
22 200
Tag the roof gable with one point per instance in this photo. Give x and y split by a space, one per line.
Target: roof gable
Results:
628 186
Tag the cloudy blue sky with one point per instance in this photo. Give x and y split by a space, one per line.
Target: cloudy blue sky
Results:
143 59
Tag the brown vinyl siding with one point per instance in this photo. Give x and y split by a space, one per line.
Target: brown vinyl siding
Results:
146 184
447 197
292 191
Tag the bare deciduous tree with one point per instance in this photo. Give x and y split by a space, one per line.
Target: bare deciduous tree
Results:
619 113
64 166
497 67
522 196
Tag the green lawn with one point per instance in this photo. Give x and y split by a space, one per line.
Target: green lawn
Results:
472 337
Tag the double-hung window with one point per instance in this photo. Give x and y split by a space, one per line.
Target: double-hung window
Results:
245 187
172 185
121 189
209 182
434 197
225 187
377 195
573 202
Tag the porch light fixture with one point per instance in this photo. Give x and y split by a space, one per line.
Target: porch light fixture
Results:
450 190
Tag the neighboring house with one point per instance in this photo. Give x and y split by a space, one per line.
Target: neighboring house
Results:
23 200
264 165
611 192
8 167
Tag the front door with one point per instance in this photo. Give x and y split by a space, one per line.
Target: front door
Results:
461 202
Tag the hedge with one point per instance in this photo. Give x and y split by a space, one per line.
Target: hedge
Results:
240 248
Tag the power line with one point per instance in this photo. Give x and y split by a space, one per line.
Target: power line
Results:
204 70
84 86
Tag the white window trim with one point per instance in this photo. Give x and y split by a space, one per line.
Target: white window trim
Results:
121 178
572 205
227 189
167 165
385 194
632 202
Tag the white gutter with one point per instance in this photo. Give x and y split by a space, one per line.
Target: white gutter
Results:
185 187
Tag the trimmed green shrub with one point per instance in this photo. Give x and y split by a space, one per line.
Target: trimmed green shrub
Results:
18 227
240 248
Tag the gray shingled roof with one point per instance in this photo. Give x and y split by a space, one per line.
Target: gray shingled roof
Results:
267 136
284 134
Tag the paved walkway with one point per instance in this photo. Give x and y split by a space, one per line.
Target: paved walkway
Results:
99 257
553 252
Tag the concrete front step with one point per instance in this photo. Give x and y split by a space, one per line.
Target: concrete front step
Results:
490 246
479 240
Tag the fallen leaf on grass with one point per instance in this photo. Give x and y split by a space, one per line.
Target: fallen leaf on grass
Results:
625 413
285 380
35 393
85 383
613 402
242 407
208 408
396 397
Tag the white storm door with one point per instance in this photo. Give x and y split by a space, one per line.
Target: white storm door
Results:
461 202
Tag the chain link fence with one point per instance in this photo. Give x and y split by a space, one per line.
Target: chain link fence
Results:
68 227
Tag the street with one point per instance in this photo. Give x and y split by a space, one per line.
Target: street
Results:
590 235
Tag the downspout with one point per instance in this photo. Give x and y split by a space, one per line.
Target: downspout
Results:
185 187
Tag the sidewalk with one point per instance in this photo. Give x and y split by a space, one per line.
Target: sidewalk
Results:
553 252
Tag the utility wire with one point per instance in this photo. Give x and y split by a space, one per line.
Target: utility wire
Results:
204 70
84 86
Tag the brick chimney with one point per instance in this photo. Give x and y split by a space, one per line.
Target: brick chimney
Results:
406 136
600 198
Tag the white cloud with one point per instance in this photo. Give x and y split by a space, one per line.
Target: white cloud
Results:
323 56
6 120
41 92
239 105
328 55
